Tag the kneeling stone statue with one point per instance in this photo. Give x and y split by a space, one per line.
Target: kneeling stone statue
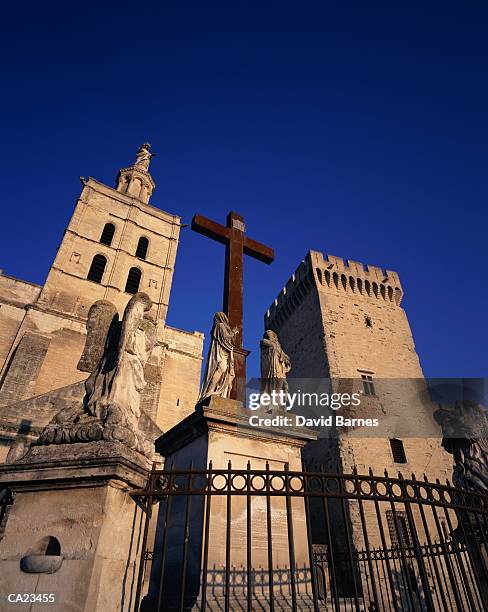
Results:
115 354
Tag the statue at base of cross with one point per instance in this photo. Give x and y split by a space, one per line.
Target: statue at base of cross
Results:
237 244
220 370
275 365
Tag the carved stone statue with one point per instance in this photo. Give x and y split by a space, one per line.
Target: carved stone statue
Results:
219 373
275 365
144 156
115 353
465 437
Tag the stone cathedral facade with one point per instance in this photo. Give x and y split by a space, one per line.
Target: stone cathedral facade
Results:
116 243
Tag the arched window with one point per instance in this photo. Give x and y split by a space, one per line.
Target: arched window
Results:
133 280
142 247
97 268
107 234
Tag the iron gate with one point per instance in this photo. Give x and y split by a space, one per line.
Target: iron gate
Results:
244 539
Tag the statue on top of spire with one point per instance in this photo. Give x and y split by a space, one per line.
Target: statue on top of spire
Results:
144 156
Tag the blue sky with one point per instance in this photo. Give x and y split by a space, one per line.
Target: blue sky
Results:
357 129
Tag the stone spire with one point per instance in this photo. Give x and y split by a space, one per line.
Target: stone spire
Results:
135 180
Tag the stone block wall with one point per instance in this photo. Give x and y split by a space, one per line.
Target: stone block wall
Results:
342 320
15 296
180 376
67 288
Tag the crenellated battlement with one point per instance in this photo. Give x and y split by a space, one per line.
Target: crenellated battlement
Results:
331 273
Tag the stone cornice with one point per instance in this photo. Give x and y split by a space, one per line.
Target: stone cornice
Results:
20 280
139 170
185 353
131 201
61 466
14 304
133 222
230 417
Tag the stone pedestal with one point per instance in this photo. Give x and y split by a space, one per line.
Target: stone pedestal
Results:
220 432
73 516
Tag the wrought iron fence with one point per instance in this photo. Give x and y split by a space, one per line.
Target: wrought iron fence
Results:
245 539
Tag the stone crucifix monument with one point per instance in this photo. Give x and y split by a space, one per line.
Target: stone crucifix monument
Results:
220 431
237 244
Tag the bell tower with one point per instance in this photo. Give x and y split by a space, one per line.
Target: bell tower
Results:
115 244
136 180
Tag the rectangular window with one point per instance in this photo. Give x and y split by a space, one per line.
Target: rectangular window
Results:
399 532
398 451
368 385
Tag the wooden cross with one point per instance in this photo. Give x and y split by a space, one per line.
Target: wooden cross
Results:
237 244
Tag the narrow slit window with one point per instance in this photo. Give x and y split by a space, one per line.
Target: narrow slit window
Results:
97 268
368 384
107 234
133 280
142 247
398 451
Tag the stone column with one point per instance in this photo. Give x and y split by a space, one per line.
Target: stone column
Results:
73 529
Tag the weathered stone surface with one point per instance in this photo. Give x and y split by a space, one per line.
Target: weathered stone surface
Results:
20 433
28 356
111 406
41 564
77 495
340 320
22 423
76 463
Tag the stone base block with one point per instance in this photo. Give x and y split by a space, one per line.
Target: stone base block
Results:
73 529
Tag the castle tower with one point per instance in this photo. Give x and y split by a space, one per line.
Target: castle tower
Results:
344 321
